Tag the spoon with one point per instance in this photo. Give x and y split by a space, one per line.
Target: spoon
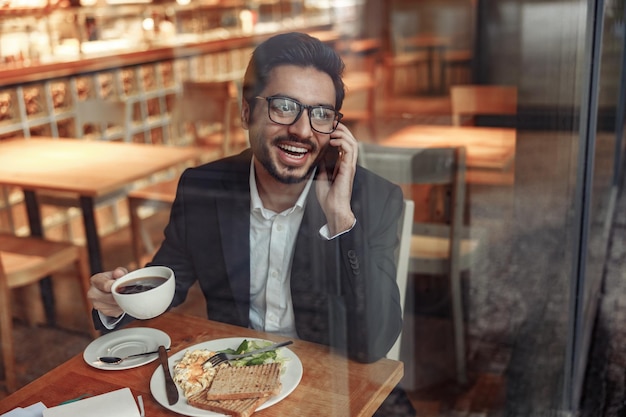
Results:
115 360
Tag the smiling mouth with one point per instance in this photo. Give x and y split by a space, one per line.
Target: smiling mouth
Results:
294 151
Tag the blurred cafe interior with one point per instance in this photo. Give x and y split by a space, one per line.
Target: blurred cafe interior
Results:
516 313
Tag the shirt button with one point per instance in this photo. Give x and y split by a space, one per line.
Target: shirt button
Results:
279 227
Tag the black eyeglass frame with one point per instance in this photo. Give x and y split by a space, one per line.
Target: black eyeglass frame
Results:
300 111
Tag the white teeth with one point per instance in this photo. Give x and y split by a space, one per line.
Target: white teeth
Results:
293 149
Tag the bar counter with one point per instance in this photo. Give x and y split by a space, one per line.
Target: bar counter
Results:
149 52
40 100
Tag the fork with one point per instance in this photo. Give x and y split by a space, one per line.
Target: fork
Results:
222 357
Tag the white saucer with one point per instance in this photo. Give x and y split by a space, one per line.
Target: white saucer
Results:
126 342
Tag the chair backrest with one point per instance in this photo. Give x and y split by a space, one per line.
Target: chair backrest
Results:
207 103
433 166
410 166
359 105
402 264
475 100
111 119
360 54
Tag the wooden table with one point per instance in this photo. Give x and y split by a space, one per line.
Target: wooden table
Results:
331 385
89 169
490 150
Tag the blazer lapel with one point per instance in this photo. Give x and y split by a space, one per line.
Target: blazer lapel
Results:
307 247
233 212
309 276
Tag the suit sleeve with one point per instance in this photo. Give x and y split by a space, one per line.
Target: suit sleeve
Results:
174 251
368 276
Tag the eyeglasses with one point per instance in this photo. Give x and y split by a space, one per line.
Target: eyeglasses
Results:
286 111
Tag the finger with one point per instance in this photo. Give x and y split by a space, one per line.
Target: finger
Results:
100 299
347 143
347 157
119 272
104 280
343 132
100 281
104 302
103 306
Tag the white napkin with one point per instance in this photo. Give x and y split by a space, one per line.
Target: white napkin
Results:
120 403
30 411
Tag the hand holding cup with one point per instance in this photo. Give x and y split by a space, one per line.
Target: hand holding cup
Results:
146 292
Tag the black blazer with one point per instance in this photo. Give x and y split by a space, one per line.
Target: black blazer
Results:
343 291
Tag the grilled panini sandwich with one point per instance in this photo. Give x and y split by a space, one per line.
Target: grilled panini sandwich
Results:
238 391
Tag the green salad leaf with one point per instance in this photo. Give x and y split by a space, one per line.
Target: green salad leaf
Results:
256 359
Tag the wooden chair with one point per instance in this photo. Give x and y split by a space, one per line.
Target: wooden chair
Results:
359 54
402 266
203 116
359 106
456 67
157 196
104 119
403 67
402 72
7 220
439 248
469 101
96 119
361 57
25 261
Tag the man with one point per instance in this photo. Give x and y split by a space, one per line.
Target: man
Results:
290 236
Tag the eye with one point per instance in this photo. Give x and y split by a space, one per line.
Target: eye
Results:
282 105
322 113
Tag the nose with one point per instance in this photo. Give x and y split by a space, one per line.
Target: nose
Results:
302 126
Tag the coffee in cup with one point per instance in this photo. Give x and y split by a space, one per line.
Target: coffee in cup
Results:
146 292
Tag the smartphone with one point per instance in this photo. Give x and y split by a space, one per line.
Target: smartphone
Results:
331 159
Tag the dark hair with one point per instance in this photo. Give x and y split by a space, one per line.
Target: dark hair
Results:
292 48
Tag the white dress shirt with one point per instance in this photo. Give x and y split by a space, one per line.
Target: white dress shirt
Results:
272 241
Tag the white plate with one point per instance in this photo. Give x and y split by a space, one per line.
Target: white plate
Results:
126 342
289 379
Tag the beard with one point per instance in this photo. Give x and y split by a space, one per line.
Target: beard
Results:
261 150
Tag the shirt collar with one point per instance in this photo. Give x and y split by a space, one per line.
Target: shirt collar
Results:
256 205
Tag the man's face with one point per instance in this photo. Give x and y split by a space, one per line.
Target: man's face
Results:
289 153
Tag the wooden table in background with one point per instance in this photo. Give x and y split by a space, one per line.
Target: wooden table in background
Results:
490 150
331 385
89 169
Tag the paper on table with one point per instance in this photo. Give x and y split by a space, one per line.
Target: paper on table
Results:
119 403
30 411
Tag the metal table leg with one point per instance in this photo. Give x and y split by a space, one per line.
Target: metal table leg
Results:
91 234
36 229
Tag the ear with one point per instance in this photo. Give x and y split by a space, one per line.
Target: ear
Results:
245 114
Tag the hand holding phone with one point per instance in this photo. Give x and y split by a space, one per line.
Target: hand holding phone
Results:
331 161
337 160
